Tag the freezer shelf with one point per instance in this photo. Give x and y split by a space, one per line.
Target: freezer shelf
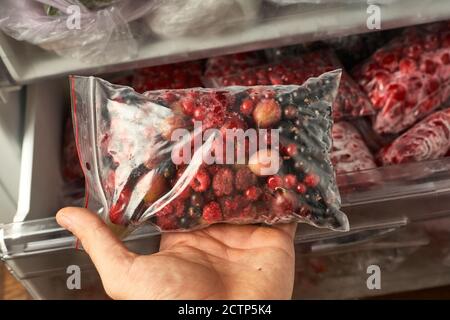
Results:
282 26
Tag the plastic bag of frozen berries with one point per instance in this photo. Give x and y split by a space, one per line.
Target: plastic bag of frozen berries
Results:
185 159
408 78
350 101
428 139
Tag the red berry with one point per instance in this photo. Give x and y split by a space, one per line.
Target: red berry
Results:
291 150
301 188
247 107
212 212
311 180
245 178
188 106
274 182
201 181
290 181
223 182
253 193
199 113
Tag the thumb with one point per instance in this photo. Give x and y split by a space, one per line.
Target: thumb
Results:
109 255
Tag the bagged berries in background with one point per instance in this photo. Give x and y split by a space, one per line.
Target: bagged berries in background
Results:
429 139
349 152
350 100
164 156
408 78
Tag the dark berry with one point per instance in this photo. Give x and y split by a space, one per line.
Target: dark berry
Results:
290 112
194 212
212 212
197 200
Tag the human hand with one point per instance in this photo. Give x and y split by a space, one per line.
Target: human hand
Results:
219 262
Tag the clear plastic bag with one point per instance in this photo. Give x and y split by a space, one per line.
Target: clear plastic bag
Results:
174 157
349 152
101 35
176 18
350 102
408 78
427 140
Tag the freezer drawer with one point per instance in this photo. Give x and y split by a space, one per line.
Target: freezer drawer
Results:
274 26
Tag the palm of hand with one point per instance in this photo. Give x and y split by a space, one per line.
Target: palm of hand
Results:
220 262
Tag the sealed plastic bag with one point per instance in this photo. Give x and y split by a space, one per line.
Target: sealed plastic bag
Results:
175 18
100 34
185 159
428 139
350 101
349 152
408 78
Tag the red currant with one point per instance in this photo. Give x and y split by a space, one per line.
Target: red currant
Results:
274 182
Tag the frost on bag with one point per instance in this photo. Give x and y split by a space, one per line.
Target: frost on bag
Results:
409 78
185 159
350 100
349 152
427 140
93 33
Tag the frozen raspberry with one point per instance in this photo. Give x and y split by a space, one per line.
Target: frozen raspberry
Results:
267 113
212 212
201 181
179 207
223 182
253 193
167 210
245 178
188 106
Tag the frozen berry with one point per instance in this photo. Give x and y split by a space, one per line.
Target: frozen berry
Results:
201 181
245 178
212 212
301 188
291 150
311 180
223 182
194 212
253 193
197 200
179 207
290 112
267 113
274 182
247 107
290 181
199 114
188 106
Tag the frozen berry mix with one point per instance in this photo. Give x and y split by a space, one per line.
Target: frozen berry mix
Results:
428 139
156 159
350 101
169 76
408 78
349 152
